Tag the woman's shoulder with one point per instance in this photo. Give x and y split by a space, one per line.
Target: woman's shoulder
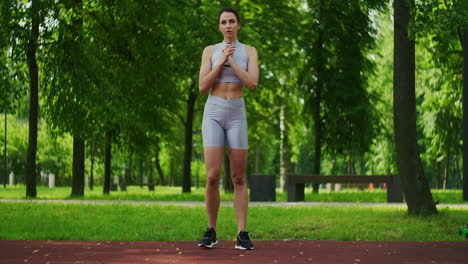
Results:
251 49
209 48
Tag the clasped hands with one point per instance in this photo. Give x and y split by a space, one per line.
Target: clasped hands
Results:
228 50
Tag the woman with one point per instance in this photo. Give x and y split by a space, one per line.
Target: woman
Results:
225 69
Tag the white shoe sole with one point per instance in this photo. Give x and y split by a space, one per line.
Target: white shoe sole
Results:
242 248
210 245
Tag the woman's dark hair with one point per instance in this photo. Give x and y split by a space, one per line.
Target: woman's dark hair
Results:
229 10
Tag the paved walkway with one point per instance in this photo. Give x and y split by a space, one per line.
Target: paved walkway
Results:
290 252
223 203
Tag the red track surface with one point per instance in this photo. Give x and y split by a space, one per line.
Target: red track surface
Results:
318 252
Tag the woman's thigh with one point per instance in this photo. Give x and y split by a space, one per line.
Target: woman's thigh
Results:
213 160
238 159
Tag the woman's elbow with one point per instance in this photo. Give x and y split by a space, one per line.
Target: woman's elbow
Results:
202 88
203 91
252 85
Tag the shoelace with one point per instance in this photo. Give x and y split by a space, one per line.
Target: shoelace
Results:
244 236
207 236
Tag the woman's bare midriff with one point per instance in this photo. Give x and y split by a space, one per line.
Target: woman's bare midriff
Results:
227 90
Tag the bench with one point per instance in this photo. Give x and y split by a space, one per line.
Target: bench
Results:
296 184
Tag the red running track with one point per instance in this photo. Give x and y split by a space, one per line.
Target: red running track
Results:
317 252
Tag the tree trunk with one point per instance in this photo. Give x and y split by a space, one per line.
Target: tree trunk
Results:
141 174
78 142
465 114
107 162
129 174
333 172
458 173
33 101
447 169
151 174
91 176
438 176
257 156
351 170
227 181
318 99
187 179
78 167
333 168
415 186
159 169
284 150
5 171
362 166
171 174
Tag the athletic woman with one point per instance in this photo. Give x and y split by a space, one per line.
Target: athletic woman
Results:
225 69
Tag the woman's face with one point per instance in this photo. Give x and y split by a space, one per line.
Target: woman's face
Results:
228 24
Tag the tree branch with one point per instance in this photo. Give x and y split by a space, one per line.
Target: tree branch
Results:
181 118
446 5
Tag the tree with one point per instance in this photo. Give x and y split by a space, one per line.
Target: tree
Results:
10 88
78 141
416 189
438 28
315 100
200 29
103 79
465 114
274 106
68 78
381 157
33 98
337 37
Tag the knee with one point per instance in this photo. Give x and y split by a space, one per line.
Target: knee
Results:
212 179
238 179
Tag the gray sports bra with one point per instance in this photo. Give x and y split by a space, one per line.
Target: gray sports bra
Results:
240 57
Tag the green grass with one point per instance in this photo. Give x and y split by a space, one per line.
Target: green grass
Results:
161 193
106 222
166 193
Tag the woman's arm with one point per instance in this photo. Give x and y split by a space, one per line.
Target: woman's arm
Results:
207 74
250 77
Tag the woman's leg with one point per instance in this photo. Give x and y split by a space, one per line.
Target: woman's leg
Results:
238 159
213 161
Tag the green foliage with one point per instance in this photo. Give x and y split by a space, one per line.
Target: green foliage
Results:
54 156
12 73
337 70
438 30
17 139
381 157
130 67
272 28
54 153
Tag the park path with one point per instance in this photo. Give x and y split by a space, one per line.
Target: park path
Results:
290 252
224 203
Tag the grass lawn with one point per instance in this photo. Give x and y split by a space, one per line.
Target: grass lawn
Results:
106 222
166 193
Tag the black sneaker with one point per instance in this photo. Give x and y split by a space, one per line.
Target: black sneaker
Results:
209 238
243 241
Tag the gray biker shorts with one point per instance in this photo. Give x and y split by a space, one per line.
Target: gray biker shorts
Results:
225 121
